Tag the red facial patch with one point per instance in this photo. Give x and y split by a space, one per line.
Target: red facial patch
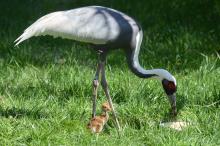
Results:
171 86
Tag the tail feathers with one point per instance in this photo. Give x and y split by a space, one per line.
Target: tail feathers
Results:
24 36
36 29
31 31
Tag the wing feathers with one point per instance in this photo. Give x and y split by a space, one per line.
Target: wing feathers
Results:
85 24
38 28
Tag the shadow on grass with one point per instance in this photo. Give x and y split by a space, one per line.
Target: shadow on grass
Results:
60 95
175 35
20 113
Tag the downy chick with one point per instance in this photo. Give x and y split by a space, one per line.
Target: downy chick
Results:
97 123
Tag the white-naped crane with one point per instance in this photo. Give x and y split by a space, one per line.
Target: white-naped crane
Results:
105 29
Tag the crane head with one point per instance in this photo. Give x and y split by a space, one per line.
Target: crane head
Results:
170 89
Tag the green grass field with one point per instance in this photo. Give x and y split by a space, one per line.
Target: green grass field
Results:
45 83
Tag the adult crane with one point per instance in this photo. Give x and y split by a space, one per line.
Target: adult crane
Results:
106 29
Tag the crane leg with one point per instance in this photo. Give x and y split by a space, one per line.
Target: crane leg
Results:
95 84
106 90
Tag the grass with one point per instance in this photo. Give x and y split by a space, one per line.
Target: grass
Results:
45 84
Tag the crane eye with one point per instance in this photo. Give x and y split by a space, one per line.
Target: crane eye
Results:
169 87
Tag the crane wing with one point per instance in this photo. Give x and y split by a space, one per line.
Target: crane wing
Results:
40 27
82 24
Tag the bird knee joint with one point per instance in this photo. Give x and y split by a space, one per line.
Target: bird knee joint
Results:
95 83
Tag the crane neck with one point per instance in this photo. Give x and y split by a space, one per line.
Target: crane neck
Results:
138 70
133 61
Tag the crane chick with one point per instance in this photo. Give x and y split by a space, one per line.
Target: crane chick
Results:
97 123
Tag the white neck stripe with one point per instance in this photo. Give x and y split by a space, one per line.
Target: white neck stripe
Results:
161 73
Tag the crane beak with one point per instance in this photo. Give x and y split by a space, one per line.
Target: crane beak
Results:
172 100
